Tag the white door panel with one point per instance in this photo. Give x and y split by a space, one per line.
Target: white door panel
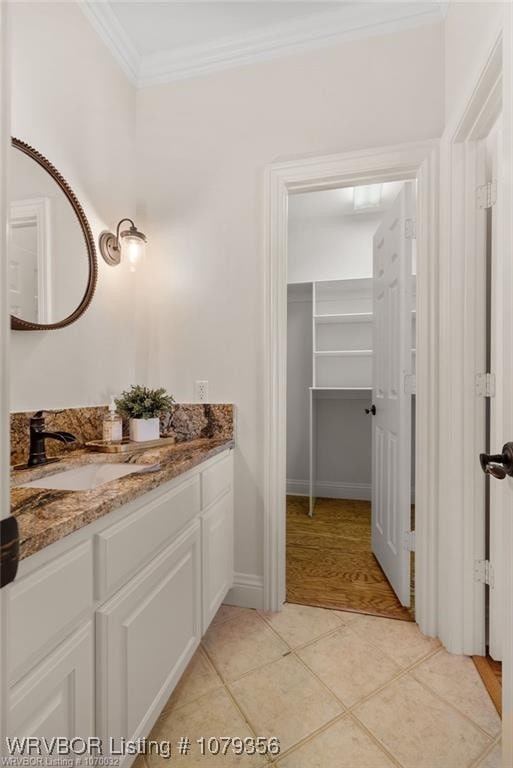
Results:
392 361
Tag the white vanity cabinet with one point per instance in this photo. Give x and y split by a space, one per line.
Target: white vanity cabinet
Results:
103 623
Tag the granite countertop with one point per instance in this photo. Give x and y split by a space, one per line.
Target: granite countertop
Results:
45 516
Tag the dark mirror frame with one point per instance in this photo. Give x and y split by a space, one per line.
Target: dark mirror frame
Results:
17 324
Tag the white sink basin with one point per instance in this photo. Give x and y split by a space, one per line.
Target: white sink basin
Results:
85 478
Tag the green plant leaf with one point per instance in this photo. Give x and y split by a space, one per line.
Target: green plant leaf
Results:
140 402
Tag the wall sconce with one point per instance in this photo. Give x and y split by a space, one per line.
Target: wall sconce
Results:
129 244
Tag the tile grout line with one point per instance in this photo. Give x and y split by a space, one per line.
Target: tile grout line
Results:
333 631
326 634
292 652
486 752
347 711
369 640
450 704
226 684
488 747
306 739
218 623
322 729
375 740
401 673
253 669
166 709
308 642
426 685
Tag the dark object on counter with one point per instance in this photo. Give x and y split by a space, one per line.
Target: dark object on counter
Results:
9 550
38 435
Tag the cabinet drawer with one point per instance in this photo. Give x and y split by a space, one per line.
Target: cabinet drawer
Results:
216 480
124 547
45 603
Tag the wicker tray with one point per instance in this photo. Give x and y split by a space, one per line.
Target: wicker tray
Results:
128 446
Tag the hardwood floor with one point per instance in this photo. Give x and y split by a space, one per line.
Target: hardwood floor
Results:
491 675
329 559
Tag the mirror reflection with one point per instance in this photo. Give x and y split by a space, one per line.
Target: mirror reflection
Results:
49 263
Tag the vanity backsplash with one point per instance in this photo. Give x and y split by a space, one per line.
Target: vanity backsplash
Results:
185 421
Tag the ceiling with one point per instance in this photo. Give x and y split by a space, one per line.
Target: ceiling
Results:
160 26
157 42
334 203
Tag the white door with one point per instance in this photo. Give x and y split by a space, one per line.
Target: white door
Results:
23 272
392 362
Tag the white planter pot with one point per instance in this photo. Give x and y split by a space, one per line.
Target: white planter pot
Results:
144 429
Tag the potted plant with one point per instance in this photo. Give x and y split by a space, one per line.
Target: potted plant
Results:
143 407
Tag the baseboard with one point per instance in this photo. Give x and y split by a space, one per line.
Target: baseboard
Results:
362 491
331 490
247 591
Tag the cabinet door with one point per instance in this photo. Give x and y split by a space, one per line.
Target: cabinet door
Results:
217 555
146 634
46 605
57 697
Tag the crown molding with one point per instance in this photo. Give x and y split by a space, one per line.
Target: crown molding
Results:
105 23
282 39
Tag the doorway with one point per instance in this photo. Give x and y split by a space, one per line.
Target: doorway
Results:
417 161
343 454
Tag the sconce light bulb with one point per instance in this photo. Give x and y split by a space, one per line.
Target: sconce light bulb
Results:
133 249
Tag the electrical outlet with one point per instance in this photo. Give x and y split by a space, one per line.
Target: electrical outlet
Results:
201 391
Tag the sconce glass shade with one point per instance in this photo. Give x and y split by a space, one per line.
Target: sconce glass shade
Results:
129 244
133 247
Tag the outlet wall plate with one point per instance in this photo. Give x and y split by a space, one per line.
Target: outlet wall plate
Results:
201 391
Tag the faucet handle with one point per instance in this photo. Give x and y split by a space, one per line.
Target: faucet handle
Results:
41 414
37 419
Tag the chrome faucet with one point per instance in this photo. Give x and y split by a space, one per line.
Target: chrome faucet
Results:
38 435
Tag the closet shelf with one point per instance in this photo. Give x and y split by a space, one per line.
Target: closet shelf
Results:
356 317
341 389
344 353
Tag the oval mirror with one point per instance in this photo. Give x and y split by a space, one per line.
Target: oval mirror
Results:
51 253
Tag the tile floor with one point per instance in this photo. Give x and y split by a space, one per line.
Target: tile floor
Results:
338 689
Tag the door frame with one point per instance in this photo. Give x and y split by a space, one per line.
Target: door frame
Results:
507 362
462 358
462 623
408 161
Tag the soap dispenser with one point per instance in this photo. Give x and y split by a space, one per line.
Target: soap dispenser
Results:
112 425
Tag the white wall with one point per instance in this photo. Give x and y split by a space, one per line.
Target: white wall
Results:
203 145
469 27
324 246
330 247
71 102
